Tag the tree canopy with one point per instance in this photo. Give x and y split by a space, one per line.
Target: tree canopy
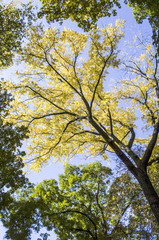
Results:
14 22
147 9
65 100
86 203
60 106
85 13
73 110
11 164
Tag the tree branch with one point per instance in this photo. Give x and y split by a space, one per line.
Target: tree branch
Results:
55 105
111 123
50 114
65 80
155 160
122 214
83 230
150 146
127 148
131 141
67 125
79 212
100 75
98 204
83 132
115 147
144 102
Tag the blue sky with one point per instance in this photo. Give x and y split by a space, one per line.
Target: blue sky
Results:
53 169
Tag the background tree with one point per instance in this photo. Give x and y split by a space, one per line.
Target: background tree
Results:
72 101
85 13
44 236
11 164
86 203
147 9
14 22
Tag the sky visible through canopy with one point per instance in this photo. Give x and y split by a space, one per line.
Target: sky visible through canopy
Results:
53 169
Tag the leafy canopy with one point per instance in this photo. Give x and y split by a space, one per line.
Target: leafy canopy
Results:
85 13
70 109
147 9
14 22
11 164
72 100
86 203
58 105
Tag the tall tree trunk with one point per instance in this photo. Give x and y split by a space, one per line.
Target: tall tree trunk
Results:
149 192
139 172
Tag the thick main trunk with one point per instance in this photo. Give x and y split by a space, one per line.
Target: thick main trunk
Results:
149 192
139 174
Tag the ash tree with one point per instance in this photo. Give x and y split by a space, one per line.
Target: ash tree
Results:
70 109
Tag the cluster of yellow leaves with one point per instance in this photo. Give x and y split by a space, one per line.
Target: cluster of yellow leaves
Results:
57 86
140 90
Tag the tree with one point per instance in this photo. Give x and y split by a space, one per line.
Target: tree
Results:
14 22
11 164
85 13
147 9
86 203
44 236
73 110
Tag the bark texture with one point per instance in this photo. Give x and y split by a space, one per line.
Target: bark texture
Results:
149 192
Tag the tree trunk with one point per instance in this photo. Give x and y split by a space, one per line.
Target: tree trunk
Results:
149 192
